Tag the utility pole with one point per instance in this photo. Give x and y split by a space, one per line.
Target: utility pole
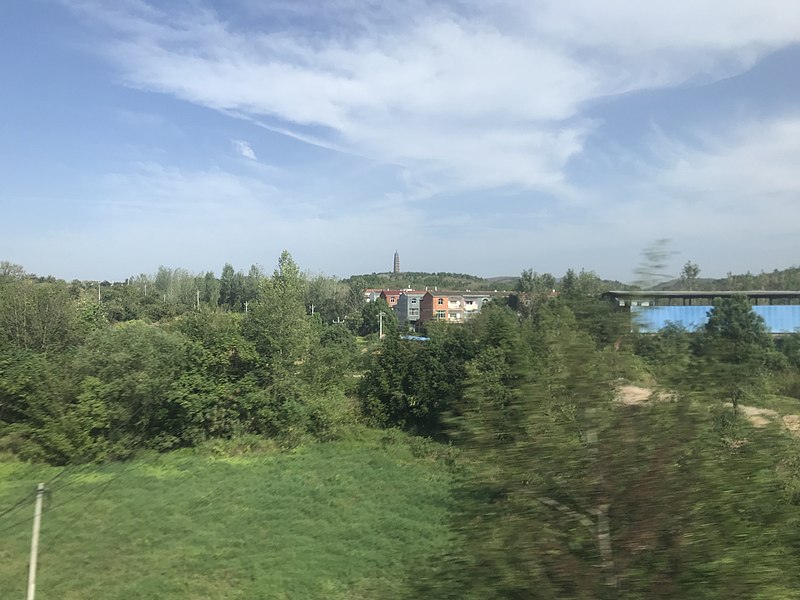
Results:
37 520
380 326
198 299
98 292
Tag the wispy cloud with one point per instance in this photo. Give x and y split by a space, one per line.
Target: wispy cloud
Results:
466 94
483 104
729 202
244 149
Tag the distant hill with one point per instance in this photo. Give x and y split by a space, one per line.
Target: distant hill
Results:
421 280
455 281
783 279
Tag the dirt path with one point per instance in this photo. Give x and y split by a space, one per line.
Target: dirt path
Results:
632 395
759 417
792 423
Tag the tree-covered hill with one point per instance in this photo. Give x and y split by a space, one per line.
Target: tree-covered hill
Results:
422 281
779 279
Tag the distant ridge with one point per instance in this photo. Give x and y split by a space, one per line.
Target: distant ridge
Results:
779 279
422 280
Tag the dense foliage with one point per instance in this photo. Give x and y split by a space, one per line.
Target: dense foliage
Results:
562 491
79 382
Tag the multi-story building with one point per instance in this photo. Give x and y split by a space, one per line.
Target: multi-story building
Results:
391 297
408 307
473 302
433 306
372 294
455 308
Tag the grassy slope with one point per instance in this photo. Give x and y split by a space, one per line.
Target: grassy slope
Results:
350 519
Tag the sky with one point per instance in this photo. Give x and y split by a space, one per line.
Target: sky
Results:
481 137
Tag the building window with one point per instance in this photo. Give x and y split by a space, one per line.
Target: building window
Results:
413 311
440 301
413 301
441 314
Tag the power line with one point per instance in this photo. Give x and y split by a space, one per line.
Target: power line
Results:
20 503
25 499
105 485
86 466
72 499
13 525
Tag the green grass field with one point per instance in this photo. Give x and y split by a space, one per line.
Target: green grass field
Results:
347 519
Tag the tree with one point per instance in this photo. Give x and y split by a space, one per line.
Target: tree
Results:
278 323
334 300
229 356
531 288
251 284
10 272
667 353
208 285
689 274
227 287
127 392
535 406
371 317
38 316
734 350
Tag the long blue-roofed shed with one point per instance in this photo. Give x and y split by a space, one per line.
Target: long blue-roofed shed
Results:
651 311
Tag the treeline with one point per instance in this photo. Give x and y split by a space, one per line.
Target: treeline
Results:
461 281
563 491
82 379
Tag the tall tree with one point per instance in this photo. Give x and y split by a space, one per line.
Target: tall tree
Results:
278 323
251 284
536 404
689 274
227 287
38 316
10 272
734 350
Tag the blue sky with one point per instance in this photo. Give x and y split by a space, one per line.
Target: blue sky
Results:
482 137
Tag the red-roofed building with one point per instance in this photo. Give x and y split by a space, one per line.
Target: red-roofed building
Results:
391 297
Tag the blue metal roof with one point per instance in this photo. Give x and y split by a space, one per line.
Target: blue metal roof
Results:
779 319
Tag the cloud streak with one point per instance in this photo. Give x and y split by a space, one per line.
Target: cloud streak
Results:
464 95
243 149
485 137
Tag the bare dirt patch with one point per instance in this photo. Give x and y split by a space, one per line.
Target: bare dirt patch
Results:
758 417
631 395
792 423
